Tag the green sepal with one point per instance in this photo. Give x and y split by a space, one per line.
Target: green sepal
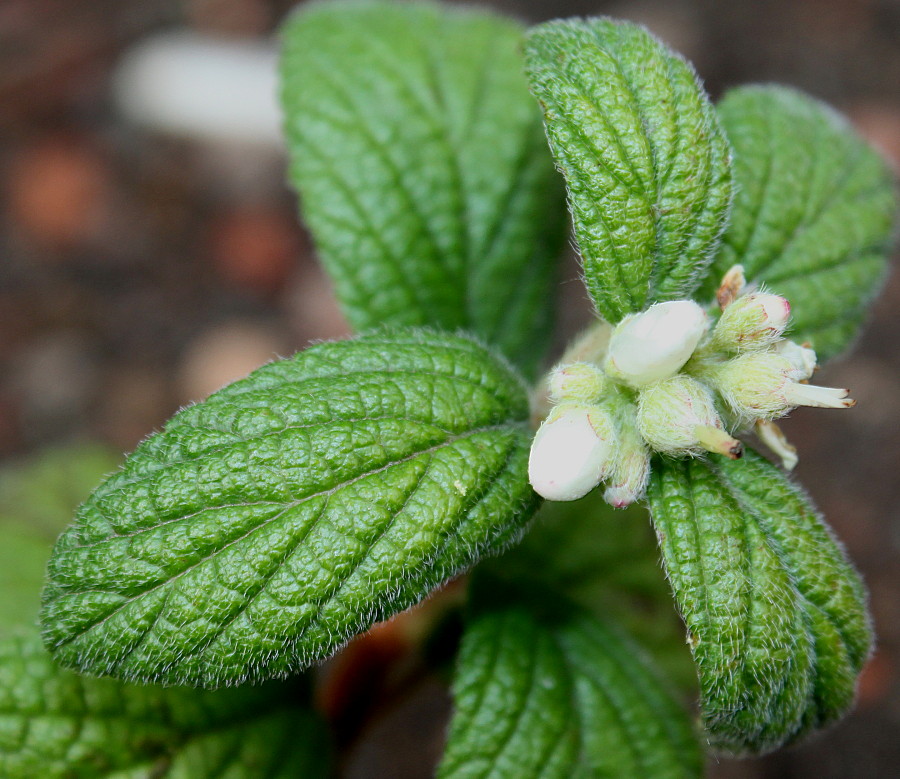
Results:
423 170
544 688
55 724
814 211
293 509
646 164
776 615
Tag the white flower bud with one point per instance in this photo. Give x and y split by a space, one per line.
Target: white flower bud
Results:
576 381
760 385
655 344
677 416
571 452
752 322
802 358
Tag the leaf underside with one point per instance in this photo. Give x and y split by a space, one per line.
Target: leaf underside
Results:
555 692
776 615
55 724
813 213
423 170
291 510
646 164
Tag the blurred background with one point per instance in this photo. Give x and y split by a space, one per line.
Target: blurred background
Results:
150 253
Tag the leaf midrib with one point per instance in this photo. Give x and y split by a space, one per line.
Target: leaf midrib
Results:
128 600
179 423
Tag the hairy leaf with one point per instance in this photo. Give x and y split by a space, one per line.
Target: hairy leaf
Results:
775 613
647 167
54 723
266 526
813 213
423 171
548 690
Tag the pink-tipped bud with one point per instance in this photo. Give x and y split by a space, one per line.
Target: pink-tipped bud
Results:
631 467
677 416
631 485
656 343
571 452
752 322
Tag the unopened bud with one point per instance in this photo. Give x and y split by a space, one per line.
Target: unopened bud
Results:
653 345
631 468
759 385
677 416
571 452
576 381
801 358
752 322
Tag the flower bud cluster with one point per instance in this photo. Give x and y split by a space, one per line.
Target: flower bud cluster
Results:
673 382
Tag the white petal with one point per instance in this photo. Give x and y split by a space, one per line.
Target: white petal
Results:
569 456
653 345
802 358
773 437
821 397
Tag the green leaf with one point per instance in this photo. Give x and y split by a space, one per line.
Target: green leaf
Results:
606 560
776 614
54 723
647 167
423 170
545 689
813 213
266 526
37 498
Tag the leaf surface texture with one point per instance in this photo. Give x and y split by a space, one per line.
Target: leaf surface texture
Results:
551 691
267 525
646 164
55 724
814 211
776 615
422 169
